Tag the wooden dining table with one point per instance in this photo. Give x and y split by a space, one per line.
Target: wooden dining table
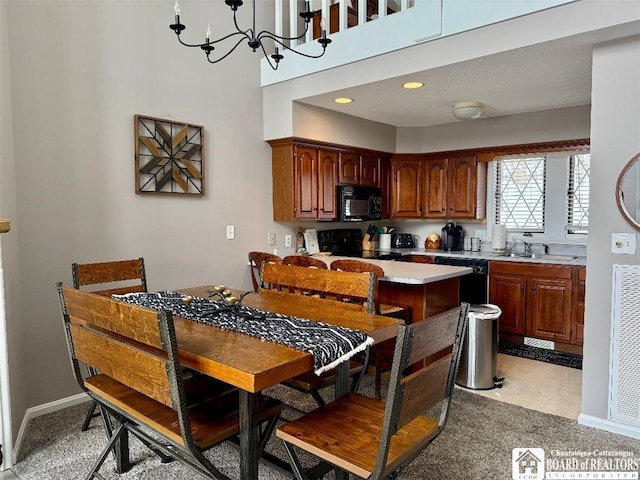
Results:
252 364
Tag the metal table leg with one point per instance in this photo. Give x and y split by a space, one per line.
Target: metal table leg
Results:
342 388
249 436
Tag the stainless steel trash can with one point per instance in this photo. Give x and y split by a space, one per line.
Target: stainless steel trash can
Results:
478 366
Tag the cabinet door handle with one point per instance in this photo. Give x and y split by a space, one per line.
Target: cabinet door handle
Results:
533 288
522 289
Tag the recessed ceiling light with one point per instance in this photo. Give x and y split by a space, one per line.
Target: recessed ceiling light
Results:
412 85
343 100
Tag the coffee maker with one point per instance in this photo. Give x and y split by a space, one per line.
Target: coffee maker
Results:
452 237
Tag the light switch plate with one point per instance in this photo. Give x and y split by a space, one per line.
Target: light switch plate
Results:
231 232
271 238
623 243
287 240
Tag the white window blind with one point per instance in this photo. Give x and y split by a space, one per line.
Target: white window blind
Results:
578 172
520 193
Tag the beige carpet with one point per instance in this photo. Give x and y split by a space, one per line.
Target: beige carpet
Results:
476 444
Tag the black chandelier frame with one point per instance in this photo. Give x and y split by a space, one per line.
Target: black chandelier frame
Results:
254 40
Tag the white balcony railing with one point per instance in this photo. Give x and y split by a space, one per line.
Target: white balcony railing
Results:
365 28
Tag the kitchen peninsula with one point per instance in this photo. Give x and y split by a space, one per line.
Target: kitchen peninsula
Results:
427 289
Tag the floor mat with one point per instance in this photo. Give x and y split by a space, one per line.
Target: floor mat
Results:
542 354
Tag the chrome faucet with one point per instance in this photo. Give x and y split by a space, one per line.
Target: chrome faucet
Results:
527 247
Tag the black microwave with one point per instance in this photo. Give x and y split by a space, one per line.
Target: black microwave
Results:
358 204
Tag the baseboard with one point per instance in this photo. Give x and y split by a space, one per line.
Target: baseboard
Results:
609 426
35 412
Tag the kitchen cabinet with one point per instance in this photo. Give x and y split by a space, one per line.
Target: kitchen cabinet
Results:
427 186
304 182
357 169
507 291
417 258
462 186
435 188
385 185
406 187
305 174
535 299
370 170
577 332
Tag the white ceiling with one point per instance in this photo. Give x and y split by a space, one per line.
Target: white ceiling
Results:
540 77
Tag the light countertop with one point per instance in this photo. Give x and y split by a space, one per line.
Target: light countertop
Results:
489 255
408 272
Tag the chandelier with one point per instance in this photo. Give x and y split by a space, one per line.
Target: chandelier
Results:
254 39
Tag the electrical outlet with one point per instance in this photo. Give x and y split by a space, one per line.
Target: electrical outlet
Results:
481 234
271 238
231 232
287 240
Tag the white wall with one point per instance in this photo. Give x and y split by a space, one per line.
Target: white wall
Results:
615 124
12 324
543 126
80 71
320 124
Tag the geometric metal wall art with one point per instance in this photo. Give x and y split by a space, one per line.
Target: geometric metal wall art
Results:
169 157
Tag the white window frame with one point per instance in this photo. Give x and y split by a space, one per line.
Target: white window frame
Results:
555 203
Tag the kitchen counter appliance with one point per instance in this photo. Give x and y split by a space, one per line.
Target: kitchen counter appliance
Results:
358 204
403 240
452 237
474 286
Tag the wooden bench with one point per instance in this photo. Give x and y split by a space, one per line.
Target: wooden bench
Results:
141 382
374 439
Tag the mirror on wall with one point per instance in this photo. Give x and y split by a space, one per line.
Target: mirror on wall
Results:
628 192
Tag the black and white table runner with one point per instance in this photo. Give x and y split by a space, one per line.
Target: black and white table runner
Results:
329 345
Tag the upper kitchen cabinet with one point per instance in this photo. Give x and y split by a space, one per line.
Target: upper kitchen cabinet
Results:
305 175
435 187
406 186
358 169
462 187
304 182
438 186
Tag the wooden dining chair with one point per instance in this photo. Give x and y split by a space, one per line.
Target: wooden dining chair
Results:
256 259
323 283
108 278
380 354
141 382
374 439
304 261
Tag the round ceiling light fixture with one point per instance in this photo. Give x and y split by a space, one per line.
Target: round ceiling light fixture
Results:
467 110
343 100
412 85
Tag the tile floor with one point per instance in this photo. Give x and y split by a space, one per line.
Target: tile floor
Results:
538 386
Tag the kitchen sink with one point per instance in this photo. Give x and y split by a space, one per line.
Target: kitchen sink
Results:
544 256
539 256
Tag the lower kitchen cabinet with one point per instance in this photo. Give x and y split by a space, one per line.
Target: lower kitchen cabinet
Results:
580 275
508 292
536 299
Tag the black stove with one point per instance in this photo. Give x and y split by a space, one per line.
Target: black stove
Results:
347 242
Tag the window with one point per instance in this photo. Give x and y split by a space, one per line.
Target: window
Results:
520 193
546 195
579 168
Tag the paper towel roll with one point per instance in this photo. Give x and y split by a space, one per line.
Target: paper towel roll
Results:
385 241
499 238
